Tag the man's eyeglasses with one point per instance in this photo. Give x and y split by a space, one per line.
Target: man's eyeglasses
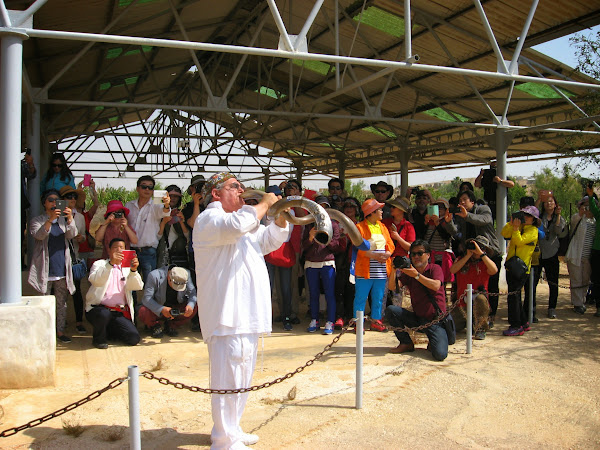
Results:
235 186
417 253
146 187
335 188
379 191
57 165
71 196
51 199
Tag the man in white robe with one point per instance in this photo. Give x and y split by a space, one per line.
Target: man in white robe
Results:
234 298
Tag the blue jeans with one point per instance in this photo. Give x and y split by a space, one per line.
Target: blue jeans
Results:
326 274
285 284
438 339
147 259
376 286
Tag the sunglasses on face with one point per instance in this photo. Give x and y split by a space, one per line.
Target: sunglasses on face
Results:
71 196
51 199
379 191
417 253
56 165
146 187
235 186
335 188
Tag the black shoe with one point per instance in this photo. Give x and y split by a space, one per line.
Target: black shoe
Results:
579 309
80 329
195 325
157 331
295 320
172 332
287 324
101 346
597 313
64 339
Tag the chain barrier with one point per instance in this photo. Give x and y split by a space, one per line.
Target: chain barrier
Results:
94 395
177 385
586 286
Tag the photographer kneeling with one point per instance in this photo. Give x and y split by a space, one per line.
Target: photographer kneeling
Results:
424 281
475 268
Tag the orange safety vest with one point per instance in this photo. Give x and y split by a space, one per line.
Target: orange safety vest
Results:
362 261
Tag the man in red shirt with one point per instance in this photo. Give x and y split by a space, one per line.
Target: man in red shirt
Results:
475 268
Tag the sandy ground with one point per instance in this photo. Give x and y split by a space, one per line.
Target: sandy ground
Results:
541 390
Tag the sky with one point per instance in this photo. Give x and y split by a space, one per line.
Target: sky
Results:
558 49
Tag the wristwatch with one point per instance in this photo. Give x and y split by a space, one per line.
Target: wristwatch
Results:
418 276
483 254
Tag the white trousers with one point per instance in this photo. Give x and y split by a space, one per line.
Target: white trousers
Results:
579 276
232 362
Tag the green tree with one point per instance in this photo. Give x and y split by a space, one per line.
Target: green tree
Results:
514 195
567 189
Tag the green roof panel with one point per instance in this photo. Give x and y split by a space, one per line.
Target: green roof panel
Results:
446 116
380 132
542 90
382 20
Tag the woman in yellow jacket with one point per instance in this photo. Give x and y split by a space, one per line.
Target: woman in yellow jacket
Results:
373 267
523 239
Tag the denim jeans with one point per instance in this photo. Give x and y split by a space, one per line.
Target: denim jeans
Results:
285 286
147 259
438 339
315 277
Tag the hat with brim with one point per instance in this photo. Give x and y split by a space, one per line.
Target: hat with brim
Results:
534 212
274 189
370 205
322 200
483 242
179 278
583 201
441 201
195 180
113 206
68 190
401 203
383 184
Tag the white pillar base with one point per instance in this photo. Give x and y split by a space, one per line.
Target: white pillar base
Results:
28 350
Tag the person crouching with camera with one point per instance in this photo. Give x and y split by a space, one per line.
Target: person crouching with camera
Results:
109 300
169 300
424 280
475 268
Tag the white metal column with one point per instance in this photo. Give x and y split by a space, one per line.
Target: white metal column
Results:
33 187
502 141
11 55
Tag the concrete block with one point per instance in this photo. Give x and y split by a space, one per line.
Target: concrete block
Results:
28 350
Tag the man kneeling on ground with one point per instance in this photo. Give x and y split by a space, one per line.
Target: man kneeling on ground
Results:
424 280
169 300
475 268
109 302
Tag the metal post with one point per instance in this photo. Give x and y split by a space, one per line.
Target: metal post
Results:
469 318
404 157
135 441
407 31
33 187
501 192
359 358
530 287
11 62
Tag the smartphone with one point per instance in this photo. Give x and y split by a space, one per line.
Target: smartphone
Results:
86 179
61 204
128 255
158 195
433 210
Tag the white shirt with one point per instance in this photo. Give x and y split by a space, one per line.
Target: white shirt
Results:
145 221
234 296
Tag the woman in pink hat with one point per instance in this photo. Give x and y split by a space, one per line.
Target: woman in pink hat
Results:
373 267
115 226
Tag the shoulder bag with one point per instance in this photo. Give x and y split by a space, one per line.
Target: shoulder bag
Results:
447 322
78 266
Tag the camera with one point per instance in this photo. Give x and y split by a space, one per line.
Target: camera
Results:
175 312
454 210
519 215
470 245
402 262
335 198
118 215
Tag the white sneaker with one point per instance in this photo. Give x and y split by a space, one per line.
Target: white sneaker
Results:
249 439
328 328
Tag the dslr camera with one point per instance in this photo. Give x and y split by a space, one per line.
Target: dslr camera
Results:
470 244
402 262
118 215
519 215
454 210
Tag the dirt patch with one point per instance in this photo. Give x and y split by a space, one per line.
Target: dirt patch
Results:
539 390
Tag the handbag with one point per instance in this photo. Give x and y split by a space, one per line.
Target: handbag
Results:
78 266
516 269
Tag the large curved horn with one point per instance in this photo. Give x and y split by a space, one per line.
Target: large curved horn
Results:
348 226
317 214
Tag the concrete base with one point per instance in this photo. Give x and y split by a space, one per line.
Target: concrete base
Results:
28 350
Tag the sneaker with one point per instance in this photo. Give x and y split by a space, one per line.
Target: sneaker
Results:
328 328
249 439
101 346
313 326
551 313
526 327
513 331
157 331
339 324
287 324
377 325
579 309
172 332
479 335
491 321
80 329
64 338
